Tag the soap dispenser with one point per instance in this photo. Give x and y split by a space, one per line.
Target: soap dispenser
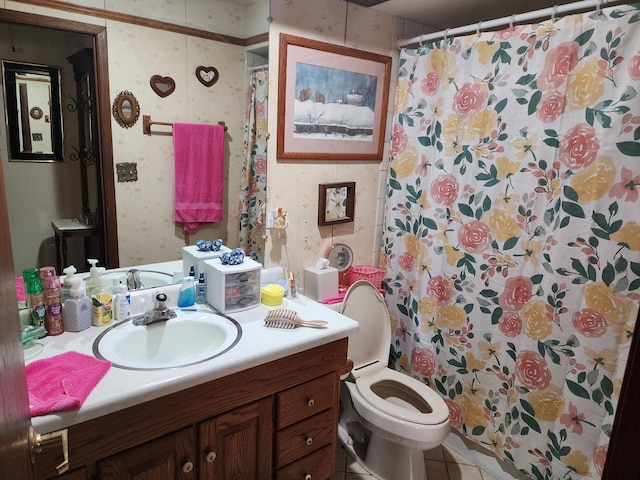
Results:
187 295
92 281
68 282
101 303
77 308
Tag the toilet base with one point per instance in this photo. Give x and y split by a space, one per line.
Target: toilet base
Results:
384 459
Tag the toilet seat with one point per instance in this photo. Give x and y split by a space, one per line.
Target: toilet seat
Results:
428 407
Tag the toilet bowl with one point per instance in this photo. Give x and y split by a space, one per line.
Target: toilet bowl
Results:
388 418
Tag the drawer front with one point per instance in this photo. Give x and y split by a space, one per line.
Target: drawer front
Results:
304 437
320 465
305 400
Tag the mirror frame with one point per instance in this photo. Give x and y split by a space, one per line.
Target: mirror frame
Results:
9 71
118 109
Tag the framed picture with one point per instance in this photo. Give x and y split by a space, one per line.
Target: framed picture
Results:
336 203
332 101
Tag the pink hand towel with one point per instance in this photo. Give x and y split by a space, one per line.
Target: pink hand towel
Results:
199 177
62 382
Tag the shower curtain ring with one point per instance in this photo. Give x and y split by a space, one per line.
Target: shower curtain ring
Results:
445 35
513 19
478 28
599 7
554 13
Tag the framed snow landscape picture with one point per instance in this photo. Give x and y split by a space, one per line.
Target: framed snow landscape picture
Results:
332 101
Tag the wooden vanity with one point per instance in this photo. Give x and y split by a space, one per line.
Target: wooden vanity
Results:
276 420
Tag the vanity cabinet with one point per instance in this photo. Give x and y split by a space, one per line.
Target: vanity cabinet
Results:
276 420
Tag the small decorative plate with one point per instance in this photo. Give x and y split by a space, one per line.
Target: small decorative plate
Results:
36 113
340 257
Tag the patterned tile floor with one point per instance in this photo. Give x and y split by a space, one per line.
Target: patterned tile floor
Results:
442 463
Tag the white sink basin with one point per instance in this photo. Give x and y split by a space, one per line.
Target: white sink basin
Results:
148 278
192 337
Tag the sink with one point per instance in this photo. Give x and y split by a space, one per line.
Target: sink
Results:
194 336
148 278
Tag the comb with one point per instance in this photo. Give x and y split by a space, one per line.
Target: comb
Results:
287 318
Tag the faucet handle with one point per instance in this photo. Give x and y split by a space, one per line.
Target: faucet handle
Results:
160 299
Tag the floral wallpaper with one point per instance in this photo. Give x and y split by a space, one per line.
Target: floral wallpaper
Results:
512 236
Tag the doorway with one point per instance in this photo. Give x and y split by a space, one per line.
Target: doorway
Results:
100 175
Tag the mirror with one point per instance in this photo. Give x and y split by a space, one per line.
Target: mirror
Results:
126 109
32 102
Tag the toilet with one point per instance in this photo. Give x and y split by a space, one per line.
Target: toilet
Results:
387 418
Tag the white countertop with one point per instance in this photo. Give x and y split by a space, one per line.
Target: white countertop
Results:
120 388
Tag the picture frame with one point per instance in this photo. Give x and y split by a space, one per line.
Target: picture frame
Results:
336 203
332 101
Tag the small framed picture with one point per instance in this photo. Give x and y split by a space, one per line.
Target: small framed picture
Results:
336 203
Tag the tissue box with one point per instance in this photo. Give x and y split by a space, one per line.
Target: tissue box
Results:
232 288
192 257
320 285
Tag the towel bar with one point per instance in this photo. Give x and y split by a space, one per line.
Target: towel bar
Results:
147 122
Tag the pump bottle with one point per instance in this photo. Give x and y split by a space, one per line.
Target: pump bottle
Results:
94 273
101 304
68 282
77 308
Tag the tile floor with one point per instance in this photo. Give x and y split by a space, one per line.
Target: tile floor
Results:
442 463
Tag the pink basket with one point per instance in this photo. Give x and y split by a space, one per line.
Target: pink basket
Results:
364 272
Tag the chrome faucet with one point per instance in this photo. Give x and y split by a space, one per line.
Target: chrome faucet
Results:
159 313
133 280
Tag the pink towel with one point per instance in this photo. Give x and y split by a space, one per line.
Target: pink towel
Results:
62 382
199 162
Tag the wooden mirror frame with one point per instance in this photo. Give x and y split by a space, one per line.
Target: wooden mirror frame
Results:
118 110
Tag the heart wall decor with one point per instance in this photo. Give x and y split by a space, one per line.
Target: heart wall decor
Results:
207 75
163 86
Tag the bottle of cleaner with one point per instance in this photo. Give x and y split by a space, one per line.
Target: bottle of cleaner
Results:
187 295
77 308
201 291
122 304
101 304
92 281
52 300
68 282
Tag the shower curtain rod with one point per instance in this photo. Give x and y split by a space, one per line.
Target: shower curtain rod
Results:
551 12
259 67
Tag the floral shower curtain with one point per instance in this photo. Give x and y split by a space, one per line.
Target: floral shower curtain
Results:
512 235
253 188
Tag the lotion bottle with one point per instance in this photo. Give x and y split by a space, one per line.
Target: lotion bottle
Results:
77 308
122 305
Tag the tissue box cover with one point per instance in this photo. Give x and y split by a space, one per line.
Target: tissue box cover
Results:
191 256
232 288
320 284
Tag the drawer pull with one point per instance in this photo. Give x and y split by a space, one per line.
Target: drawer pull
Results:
209 455
187 466
311 402
307 477
309 440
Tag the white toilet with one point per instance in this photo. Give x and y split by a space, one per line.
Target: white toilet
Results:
388 418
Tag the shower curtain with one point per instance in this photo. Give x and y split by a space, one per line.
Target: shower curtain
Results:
253 188
512 232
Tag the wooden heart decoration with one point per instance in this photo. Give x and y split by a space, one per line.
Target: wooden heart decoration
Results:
207 75
163 86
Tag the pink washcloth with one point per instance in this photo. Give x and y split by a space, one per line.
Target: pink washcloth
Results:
62 382
199 173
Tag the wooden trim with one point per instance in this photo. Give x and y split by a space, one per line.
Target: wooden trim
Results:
146 22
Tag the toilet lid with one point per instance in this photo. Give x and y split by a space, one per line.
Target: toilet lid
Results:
402 397
364 304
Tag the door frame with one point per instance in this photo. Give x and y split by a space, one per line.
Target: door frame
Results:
107 192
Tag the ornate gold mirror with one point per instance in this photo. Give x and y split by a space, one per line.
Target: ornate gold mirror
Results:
126 109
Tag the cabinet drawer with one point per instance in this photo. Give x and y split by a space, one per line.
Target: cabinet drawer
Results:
304 437
320 465
305 400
